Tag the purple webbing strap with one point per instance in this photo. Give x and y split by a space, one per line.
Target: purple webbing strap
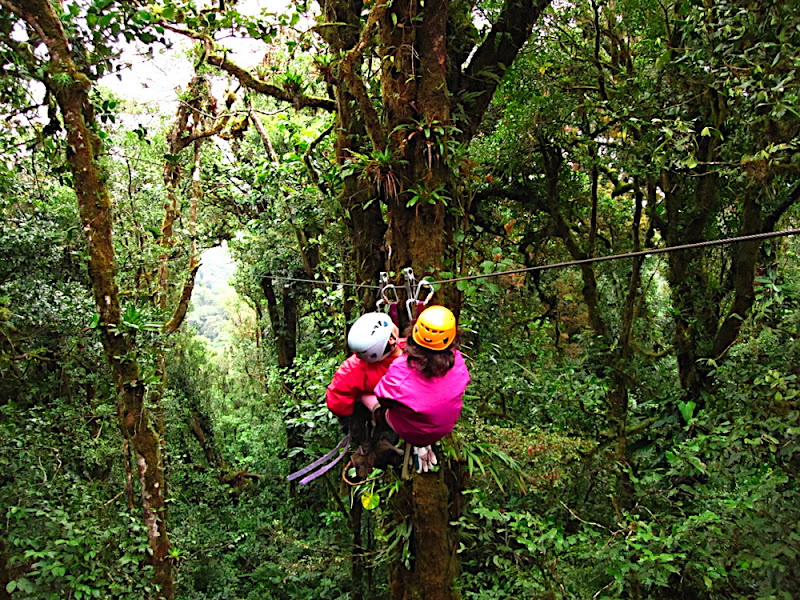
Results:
393 312
345 443
323 470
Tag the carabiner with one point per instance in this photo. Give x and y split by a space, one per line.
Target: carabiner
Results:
422 283
410 280
386 285
384 298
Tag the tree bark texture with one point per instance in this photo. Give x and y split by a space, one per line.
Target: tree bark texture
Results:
426 501
358 559
95 211
283 319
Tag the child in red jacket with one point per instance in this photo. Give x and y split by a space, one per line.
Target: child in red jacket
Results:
375 342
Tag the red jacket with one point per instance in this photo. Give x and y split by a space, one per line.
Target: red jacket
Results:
354 378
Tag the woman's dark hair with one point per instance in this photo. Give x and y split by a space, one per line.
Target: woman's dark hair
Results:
432 363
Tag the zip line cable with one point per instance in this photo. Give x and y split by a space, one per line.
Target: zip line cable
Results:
584 261
320 281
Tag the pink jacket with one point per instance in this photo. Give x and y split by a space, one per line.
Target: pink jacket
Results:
423 410
352 379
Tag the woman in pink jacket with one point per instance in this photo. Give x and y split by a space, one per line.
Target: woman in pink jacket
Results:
422 394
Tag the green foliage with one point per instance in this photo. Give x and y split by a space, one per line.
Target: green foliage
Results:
593 466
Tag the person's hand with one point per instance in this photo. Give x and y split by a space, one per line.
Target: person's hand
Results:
425 458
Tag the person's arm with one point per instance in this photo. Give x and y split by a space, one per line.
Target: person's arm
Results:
370 401
342 391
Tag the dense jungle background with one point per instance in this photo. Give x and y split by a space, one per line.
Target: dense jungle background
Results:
632 426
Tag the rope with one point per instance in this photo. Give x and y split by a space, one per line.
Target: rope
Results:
570 263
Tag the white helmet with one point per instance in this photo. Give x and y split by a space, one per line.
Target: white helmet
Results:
370 335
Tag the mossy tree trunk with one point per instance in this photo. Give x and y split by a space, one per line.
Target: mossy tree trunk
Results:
71 89
403 125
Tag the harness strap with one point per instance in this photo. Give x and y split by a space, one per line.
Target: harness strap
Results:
343 445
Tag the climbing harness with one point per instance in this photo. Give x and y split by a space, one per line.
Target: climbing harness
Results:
405 473
343 445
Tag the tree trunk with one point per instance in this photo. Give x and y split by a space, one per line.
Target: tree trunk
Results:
283 320
95 210
434 564
438 76
358 552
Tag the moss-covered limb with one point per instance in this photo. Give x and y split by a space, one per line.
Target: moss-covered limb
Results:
90 188
262 133
182 306
493 58
553 159
631 306
72 96
246 78
743 275
201 107
147 452
364 218
350 72
262 87
312 172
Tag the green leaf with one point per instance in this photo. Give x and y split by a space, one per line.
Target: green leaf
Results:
370 501
697 464
687 409
663 60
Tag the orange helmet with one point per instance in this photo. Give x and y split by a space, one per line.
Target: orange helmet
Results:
435 328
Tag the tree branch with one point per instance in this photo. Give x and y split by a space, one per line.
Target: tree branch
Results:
771 220
312 172
262 87
247 79
493 58
350 73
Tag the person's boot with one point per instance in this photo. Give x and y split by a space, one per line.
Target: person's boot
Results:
387 454
363 461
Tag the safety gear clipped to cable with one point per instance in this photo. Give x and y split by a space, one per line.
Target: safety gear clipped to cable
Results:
435 328
424 459
386 301
370 335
